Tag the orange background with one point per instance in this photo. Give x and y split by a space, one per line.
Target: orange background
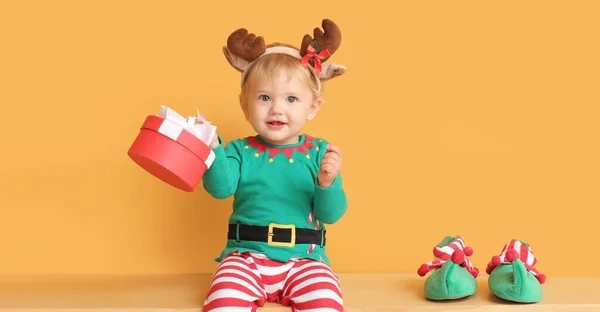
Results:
472 118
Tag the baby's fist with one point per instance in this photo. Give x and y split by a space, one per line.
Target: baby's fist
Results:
331 164
215 141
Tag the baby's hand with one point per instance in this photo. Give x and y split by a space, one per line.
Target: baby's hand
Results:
215 141
331 164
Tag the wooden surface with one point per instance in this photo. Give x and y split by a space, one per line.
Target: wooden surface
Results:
362 292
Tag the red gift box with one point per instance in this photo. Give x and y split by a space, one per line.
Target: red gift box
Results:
167 149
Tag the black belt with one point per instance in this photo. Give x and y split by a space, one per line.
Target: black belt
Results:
276 234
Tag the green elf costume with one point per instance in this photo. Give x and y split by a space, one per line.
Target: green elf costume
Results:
279 209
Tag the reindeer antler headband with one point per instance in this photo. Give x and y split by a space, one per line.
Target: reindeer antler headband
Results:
243 49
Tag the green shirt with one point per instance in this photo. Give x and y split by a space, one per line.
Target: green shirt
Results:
275 184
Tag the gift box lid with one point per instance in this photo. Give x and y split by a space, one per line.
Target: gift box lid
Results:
180 135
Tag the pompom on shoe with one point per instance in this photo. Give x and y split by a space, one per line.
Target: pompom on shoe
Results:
454 276
512 275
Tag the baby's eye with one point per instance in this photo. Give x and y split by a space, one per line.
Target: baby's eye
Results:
292 99
265 97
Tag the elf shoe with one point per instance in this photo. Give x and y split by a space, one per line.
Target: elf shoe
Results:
454 276
512 275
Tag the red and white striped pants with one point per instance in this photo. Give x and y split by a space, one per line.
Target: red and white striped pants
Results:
246 282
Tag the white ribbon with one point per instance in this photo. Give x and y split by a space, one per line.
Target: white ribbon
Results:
198 126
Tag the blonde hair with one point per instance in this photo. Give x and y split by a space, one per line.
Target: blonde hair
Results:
267 66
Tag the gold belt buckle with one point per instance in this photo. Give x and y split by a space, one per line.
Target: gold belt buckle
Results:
291 243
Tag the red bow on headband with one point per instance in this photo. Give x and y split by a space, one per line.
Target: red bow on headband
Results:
311 53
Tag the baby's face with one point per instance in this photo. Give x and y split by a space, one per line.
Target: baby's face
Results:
278 108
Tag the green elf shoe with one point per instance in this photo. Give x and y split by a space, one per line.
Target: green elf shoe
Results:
512 276
454 276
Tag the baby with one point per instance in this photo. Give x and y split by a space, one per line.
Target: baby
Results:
286 184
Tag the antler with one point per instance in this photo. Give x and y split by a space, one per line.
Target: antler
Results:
330 39
247 46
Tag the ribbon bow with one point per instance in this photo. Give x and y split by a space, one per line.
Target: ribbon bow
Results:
312 53
197 125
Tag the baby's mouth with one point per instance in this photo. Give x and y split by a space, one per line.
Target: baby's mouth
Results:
276 123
